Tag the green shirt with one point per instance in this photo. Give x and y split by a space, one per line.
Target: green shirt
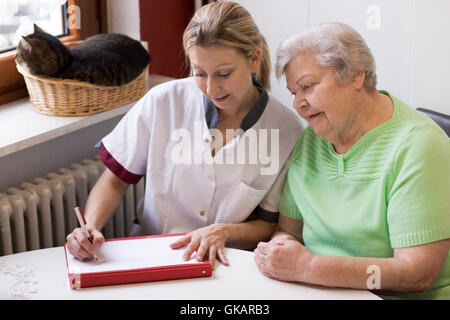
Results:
390 190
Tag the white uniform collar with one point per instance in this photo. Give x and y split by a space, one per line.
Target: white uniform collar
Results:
212 115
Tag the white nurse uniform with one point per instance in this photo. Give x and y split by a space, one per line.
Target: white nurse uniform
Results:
167 137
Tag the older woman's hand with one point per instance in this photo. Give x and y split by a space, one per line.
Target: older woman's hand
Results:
283 259
208 241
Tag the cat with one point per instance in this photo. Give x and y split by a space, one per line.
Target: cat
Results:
109 59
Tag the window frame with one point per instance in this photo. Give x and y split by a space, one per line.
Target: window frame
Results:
93 21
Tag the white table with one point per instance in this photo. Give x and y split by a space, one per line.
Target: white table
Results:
239 281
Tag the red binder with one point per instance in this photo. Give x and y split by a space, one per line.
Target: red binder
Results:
190 269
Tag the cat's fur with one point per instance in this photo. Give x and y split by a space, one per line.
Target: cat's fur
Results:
104 59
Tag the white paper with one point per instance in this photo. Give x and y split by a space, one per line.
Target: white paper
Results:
132 254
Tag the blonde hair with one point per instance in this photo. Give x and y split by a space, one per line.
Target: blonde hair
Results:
229 24
335 45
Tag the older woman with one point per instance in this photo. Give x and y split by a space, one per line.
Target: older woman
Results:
366 201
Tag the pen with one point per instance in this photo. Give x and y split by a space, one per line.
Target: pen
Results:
83 222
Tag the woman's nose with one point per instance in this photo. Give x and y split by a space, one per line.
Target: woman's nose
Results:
299 103
212 86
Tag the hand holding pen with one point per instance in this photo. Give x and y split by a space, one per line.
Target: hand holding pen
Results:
85 241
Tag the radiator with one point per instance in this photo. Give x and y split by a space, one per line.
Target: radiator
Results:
40 214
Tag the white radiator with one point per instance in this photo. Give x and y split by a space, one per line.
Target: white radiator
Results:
40 214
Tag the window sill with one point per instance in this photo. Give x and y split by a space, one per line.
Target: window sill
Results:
21 127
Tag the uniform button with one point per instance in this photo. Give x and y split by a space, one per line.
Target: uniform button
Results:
206 140
202 213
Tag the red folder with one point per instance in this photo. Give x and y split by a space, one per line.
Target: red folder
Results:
134 275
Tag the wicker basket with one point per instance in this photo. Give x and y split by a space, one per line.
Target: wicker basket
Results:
62 97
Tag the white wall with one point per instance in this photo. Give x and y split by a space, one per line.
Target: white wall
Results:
410 40
430 55
123 17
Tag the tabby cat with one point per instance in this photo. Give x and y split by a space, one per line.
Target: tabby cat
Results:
104 59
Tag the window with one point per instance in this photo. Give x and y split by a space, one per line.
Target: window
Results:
17 18
70 20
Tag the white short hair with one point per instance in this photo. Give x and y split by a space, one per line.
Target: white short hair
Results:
335 45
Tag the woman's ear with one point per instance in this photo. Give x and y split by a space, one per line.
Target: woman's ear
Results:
358 80
255 60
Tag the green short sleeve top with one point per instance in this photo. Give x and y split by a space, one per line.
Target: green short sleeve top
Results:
390 190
